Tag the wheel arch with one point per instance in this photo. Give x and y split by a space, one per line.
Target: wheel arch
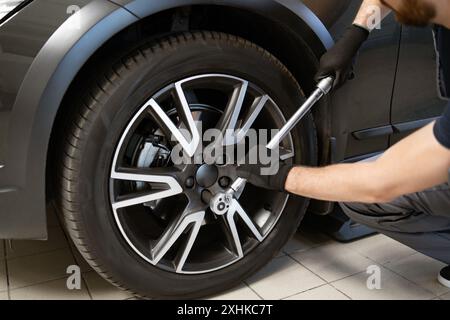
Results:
68 52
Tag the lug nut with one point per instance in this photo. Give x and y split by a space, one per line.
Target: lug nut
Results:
206 196
224 182
189 182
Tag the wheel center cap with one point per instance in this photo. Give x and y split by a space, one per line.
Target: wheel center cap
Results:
207 175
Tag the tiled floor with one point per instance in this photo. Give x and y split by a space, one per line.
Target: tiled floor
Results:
311 266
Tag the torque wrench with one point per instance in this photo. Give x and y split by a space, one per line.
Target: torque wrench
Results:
221 202
323 88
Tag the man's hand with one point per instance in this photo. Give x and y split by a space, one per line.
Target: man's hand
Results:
338 61
252 173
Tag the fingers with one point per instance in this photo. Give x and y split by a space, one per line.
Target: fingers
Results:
322 74
339 60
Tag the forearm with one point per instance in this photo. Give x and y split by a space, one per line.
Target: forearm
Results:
365 16
341 182
414 164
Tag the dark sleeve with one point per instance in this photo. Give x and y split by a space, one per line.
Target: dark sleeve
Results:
442 128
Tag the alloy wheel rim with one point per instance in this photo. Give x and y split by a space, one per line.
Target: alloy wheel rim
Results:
177 246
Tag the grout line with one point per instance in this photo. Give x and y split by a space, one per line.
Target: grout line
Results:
389 261
413 282
288 256
331 282
324 284
362 255
381 266
245 282
326 281
316 287
365 256
71 249
41 252
384 265
48 252
332 285
292 258
37 253
86 285
39 283
397 259
444 294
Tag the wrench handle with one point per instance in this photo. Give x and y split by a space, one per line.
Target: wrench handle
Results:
323 88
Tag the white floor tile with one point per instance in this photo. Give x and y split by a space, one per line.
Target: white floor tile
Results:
242 292
38 271
35 269
4 295
325 292
100 289
393 287
3 277
333 261
381 249
445 296
281 278
421 270
22 248
52 290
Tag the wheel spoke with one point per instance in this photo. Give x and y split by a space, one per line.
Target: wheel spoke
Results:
172 187
181 258
248 221
233 235
236 208
228 122
254 112
189 141
187 220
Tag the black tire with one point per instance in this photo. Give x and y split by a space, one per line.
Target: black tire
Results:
99 118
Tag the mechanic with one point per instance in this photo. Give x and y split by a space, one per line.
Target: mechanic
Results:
403 194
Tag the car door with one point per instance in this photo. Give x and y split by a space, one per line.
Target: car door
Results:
361 108
415 101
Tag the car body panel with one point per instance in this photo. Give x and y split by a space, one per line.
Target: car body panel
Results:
416 96
365 102
292 13
41 54
54 58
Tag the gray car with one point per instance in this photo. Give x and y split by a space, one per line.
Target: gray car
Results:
91 92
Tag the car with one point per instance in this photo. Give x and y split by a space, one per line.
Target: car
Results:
92 91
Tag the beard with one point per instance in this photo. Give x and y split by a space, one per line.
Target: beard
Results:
417 13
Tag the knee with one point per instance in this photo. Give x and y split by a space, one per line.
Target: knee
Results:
353 208
358 212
